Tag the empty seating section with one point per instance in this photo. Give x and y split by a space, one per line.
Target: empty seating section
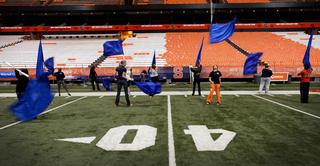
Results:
183 48
6 40
85 2
248 1
276 49
16 3
185 2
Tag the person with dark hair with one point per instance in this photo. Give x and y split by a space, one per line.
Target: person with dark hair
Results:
22 82
305 84
265 79
60 76
122 81
143 75
196 80
129 75
215 79
154 74
93 75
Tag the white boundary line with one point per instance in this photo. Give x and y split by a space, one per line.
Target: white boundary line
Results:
287 95
68 97
12 124
172 159
237 95
287 107
100 97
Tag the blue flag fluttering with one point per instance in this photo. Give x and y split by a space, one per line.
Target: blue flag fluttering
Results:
149 88
35 100
199 54
106 84
38 94
250 66
219 33
112 48
39 69
306 57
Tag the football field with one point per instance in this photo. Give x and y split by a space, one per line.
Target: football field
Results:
165 130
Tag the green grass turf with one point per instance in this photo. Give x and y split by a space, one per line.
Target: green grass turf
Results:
266 133
182 87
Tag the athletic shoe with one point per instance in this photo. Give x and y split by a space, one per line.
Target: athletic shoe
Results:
69 94
192 94
208 103
218 103
130 105
59 95
115 105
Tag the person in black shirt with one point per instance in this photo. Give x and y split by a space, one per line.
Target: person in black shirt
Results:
22 82
196 79
93 75
60 76
265 79
215 79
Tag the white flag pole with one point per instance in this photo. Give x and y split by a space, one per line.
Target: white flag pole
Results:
17 69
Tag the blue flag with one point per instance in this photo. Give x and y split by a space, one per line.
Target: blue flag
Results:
307 54
219 33
154 58
199 54
106 84
39 69
149 88
49 64
112 48
250 66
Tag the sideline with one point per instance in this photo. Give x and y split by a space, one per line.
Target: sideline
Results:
172 159
287 106
12 124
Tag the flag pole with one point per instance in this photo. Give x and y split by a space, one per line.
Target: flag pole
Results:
17 69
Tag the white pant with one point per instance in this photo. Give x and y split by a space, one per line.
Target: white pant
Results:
264 81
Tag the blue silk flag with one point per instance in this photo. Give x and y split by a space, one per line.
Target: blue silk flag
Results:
250 66
149 88
112 48
199 54
49 64
39 69
154 58
106 84
307 54
36 99
219 33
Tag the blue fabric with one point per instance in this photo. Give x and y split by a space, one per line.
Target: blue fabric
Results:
106 84
149 75
307 54
49 64
199 54
44 77
112 48
36 99
154 58
250 66
39 68
149 88
219 33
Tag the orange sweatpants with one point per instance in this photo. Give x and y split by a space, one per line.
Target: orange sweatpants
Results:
217 88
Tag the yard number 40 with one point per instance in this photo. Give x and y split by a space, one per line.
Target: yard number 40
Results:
146 136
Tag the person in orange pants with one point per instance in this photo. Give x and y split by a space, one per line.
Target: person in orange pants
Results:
215 79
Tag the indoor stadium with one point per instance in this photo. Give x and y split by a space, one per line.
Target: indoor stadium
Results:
196 93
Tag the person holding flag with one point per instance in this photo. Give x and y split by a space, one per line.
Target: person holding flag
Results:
196 80
93 75
129 75
215 79
22 82
154 74
122 81
60 76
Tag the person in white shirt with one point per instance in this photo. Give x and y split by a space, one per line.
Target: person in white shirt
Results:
129 75
154 74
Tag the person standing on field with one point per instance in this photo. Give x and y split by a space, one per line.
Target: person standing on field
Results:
215 79
265 79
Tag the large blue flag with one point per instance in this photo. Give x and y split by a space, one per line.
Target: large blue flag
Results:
307 54
199 54
49 63
250 66
219 33
149 88
39 69
112 48
154 58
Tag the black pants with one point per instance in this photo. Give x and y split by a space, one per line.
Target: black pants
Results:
195 81
155 79
304 92
123 83
20 95
94 79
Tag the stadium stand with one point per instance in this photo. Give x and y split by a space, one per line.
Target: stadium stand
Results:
248 1
85 3
183 48
6 41
185 2
16 3
277 50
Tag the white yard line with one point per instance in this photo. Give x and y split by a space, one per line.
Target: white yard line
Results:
287 95
270 95
287 106
237 95
100 97
185 95
172 158
68 97
12 124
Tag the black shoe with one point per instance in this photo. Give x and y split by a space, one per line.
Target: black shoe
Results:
69 94
192 94
59 95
